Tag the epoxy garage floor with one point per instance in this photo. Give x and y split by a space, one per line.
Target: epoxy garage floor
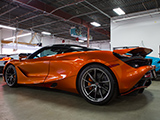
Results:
28 103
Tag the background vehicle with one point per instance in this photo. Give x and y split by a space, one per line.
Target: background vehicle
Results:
156 62
5 58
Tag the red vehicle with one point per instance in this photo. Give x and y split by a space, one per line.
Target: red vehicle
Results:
97 75
5 58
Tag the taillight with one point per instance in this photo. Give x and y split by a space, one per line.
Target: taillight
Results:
5 59
147 75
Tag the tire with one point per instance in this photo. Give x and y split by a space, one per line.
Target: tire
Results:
10 76
97 85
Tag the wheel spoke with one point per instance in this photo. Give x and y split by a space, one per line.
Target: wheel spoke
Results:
91 77
9 74
92 85
90 91
104 82
100 93
11 81
95 95
101 76
87 81
8 70
104 88
8 80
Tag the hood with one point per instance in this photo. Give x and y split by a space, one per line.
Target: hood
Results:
138 51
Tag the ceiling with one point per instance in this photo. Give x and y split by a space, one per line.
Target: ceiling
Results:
58 16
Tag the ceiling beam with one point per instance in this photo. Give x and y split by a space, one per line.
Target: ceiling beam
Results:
48 9
98 9
45 8
9 10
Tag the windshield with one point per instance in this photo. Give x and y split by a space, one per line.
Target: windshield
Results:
57 49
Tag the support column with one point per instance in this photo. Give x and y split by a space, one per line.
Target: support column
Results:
0 41
88 36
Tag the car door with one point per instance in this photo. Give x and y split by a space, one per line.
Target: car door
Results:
36 67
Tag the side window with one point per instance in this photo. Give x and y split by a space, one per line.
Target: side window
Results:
46 52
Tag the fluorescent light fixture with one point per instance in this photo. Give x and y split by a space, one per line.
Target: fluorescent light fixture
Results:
95 24
119 11
18 36
46 33
7 27
85 38
81 41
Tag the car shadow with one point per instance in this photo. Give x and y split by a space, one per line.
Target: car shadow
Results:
62 98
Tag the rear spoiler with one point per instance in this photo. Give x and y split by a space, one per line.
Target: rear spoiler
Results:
134 51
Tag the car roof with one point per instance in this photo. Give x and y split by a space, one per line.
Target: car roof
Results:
67 45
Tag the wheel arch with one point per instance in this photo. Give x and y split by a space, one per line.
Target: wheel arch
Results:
101 65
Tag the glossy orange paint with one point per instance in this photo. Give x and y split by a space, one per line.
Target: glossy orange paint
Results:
63 69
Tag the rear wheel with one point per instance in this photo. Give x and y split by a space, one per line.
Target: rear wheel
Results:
11 76
97 85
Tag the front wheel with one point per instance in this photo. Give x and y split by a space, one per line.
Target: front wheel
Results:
96 84
10 76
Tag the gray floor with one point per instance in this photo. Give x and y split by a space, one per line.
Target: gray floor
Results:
28 103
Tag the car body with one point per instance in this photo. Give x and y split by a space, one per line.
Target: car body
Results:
97 75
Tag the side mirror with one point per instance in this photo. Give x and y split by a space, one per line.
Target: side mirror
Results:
23 56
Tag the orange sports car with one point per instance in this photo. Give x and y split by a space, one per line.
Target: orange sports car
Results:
95 74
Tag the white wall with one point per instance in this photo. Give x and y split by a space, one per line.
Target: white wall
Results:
101 44
57 40
142 31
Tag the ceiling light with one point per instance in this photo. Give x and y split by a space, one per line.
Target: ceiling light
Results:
46 33
7 27
95 24
85 38
18 36
119 11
